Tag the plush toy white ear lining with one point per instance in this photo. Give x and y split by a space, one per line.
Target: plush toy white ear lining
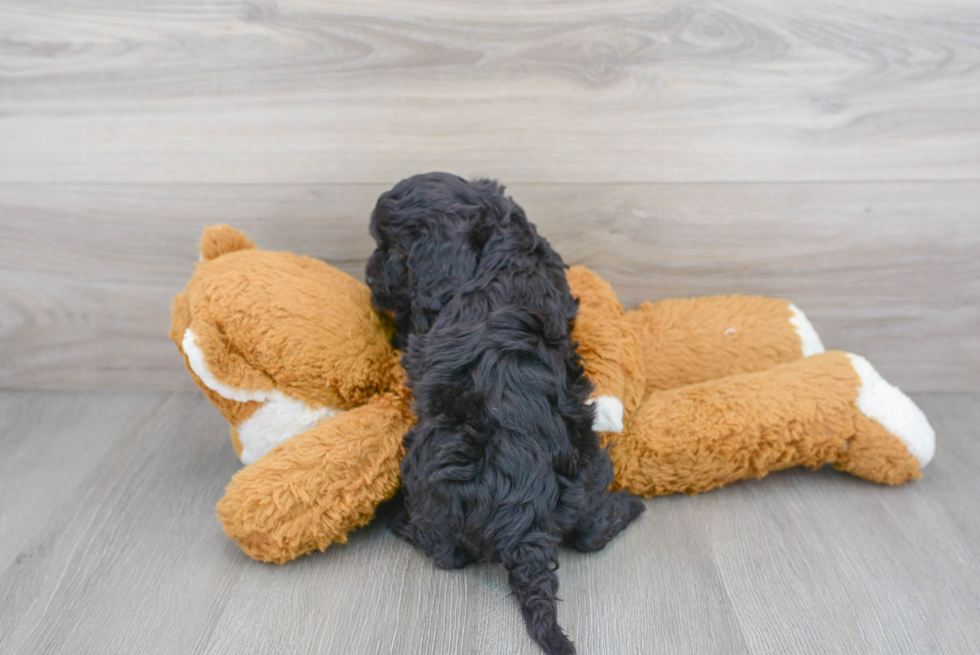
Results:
811 344
608 414
896 412
195 356
278 419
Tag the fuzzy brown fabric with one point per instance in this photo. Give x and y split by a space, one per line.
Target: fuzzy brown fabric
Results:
800 413
310 491
276 321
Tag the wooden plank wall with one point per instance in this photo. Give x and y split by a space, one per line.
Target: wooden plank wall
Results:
823 152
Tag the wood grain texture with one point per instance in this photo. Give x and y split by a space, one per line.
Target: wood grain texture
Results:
125 555
112 566
60 445
825 152
294 91
890 271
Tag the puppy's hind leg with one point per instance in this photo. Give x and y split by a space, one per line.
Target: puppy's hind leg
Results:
606 517
606 514
450 556
445 554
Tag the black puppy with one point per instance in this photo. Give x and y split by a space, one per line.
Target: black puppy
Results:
503 463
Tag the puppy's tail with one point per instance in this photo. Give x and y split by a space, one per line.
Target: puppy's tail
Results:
531 573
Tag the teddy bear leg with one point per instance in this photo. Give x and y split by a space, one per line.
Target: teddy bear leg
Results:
825 409
892 439
690 340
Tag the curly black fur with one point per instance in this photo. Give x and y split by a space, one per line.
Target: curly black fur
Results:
503 463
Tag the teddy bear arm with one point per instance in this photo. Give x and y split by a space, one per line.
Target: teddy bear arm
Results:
313 489
689 340
607 345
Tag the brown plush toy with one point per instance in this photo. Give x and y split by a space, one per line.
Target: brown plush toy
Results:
691 394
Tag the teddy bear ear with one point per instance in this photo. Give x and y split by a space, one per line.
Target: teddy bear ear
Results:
221 368
220 239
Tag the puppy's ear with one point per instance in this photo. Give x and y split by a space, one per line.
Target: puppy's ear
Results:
388 277
493 215
437 267
480 232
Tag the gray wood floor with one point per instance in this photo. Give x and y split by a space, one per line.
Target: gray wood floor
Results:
821 151
109 545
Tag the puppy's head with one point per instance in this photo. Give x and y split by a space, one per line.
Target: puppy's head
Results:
430 231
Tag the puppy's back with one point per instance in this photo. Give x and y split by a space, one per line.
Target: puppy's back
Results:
503 463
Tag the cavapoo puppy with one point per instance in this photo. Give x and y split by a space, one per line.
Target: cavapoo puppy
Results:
503 463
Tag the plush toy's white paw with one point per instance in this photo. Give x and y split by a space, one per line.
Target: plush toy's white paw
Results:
811 344
278 419
889 406
608 414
